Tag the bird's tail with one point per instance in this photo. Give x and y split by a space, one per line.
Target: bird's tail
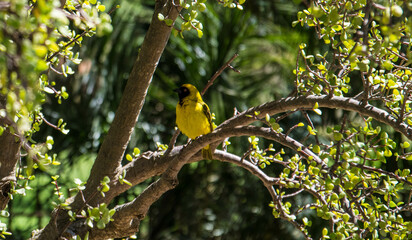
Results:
207 153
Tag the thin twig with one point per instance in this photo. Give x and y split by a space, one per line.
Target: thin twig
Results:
49 123
85 204
172 142
294 193
306 115
218 72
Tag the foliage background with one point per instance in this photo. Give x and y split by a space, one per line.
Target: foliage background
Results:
213 200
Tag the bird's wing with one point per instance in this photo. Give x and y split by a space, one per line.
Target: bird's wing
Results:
206 111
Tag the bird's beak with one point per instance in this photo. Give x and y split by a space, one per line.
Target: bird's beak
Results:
176 90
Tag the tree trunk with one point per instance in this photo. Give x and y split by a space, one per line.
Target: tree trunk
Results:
9 154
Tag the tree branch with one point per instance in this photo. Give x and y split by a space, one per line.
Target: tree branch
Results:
170 165
9 154
292 103
114 145
108 161
219 71
152 164
129 215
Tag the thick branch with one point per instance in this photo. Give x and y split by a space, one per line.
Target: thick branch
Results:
152 164
9 154
171 164
111 152
130 214
108 161
292 103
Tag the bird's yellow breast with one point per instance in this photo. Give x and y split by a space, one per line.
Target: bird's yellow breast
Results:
191 119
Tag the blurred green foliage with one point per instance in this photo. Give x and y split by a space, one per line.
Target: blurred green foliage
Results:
214 200
38 38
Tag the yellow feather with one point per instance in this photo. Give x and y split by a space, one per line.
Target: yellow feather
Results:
193 115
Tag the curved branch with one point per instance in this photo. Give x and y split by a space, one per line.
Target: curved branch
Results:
130 214
266 180
152 164
292 103
252 168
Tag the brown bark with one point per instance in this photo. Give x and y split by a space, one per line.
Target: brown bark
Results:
324 101
108 161
128 216
9 154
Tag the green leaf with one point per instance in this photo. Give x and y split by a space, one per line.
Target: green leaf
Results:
201 7
48 90
397 11
316 149
49 142
86 236
337 136
89 223
106 179
4 213
101 8
387 65
94 213
112 212
71 215
405 144
136 152
324 232
199 33
77 181
100 224
317 111
169 22
388 152
127 182
105 188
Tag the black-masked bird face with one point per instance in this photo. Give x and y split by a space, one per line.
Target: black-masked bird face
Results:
188 92
182 92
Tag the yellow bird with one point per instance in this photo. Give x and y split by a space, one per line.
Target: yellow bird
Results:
193 115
